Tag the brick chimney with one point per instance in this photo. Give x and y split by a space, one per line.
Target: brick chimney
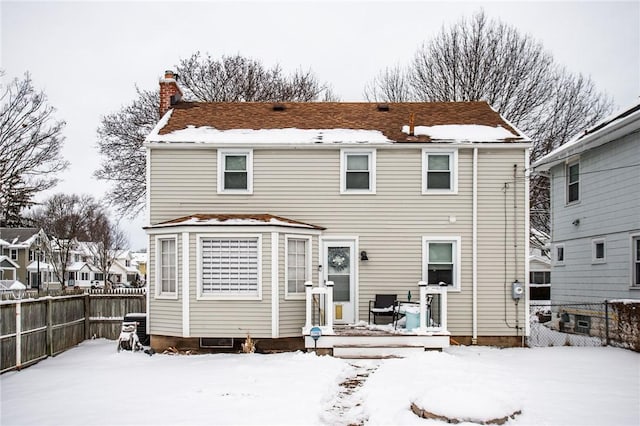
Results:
170 93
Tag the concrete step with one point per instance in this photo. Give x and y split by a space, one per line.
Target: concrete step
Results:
375 351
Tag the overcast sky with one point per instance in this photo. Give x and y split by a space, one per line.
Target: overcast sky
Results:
88 56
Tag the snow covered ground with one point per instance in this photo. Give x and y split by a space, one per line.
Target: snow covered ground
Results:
92 384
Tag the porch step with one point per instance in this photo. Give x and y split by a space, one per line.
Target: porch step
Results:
375 351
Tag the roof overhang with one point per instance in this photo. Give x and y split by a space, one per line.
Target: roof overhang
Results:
622 124
234 220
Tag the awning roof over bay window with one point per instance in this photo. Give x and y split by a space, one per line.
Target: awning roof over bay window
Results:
235 220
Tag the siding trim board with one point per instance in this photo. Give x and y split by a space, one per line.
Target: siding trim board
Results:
275 292
185 284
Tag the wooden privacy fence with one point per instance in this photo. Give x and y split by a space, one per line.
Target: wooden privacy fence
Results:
32 329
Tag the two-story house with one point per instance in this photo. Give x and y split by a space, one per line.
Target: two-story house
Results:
595 212
18 251
247 202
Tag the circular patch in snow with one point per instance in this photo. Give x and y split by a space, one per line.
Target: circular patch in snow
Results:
425 414
466 402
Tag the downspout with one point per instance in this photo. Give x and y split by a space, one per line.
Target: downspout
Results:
474 250
527 224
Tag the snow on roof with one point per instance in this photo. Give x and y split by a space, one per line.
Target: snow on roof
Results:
235 220
76 266
463 133
583 140
208 134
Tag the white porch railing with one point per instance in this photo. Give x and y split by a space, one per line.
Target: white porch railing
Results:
427 294
433 309
327 301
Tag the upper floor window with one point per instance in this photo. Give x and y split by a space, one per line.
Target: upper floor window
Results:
598 251
298 264
358 171
167 267
441 260
14 254
235 171
439 171
573 182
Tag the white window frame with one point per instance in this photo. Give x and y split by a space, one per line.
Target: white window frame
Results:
594 244
84 276
13 254
457 258
230 296
159 293
557 262
568 165
371 153
453 163
634 240
222 153
308 239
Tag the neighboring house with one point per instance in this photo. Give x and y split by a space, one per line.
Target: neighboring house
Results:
80 274
18 249
539 269
140 262
248 201
595 212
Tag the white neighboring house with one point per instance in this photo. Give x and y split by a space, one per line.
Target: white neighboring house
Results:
80 274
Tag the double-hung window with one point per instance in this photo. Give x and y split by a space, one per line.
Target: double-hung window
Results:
441 260
439 171
298 264
230 267
167 267
14 254
235 171
358 171
573 182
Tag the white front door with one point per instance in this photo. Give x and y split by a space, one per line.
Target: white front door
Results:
339 260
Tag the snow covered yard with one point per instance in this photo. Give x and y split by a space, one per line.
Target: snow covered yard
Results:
93 385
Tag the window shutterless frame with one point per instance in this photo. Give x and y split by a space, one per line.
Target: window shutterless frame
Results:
558 254
229 267
441 261
358 171
235 171
439 171
297 264
635 261
166 270
598 250
572 173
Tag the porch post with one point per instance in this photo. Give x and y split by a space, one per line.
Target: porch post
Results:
423 304
328 309
443 309
307 291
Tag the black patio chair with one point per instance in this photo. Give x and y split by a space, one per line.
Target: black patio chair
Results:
382 306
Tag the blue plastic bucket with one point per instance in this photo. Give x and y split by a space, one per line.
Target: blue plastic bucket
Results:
413 320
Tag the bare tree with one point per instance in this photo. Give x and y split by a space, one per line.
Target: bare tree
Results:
106 241
120 138
230 79
30 148
66 219
482 59
240 79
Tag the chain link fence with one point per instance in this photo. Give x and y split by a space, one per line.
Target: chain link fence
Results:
611 323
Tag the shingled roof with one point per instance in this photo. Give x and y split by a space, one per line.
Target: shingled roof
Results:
388 119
